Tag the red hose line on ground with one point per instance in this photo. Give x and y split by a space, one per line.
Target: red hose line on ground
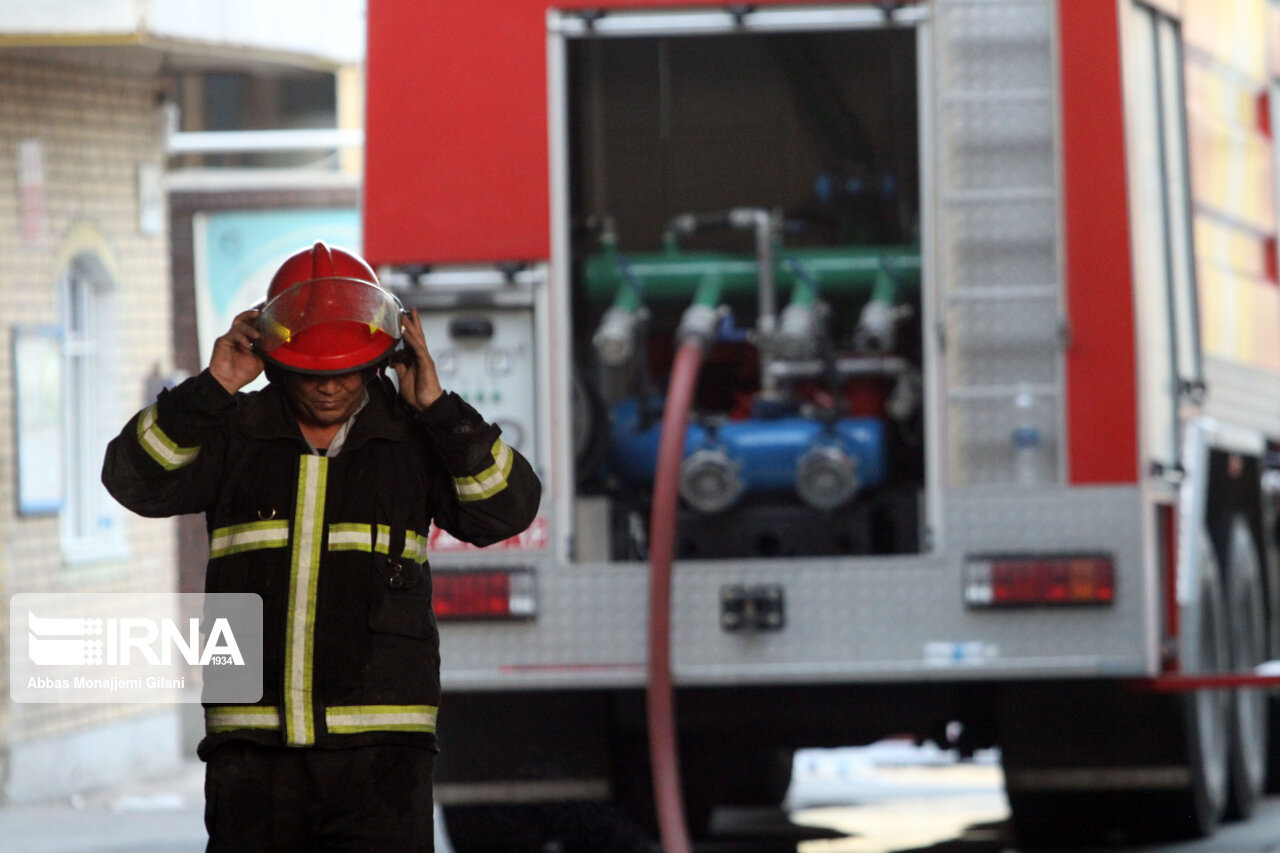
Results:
660 694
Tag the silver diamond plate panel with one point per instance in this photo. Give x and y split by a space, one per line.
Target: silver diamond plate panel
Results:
1000 242
590 628
897 618
1002 342
998 144
847 619
998 252
982 451
994 45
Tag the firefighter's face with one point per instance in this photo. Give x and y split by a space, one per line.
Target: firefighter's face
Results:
324 401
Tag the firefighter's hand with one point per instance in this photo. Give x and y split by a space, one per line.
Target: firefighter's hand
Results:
419 384
234 363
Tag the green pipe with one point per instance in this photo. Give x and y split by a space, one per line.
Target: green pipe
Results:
709 290
799 333
884 288
805 285
700 318
676 275
615 337
626 295
626 298
875 330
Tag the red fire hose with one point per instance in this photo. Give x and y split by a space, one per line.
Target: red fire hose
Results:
660 694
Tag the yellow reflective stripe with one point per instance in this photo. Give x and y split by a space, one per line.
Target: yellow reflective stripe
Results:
349 719
248 537
308 530
415 546
226 718
164 450
350 537
340 719
491 480
361 537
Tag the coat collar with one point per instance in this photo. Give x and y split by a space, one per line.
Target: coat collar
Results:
266 414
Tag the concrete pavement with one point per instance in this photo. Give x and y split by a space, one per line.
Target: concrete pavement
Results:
166 814
878 794
161 815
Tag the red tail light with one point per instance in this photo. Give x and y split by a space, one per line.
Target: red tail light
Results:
1068 580
484 594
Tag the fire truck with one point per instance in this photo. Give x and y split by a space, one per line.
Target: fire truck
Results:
890 368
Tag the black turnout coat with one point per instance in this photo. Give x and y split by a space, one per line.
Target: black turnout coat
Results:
336 547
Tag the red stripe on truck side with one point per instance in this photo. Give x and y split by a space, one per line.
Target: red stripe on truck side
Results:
1101 393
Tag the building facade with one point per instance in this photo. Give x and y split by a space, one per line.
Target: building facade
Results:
88 109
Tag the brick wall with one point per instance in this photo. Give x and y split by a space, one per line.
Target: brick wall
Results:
95 128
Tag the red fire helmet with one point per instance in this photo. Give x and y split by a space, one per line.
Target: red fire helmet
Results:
326 313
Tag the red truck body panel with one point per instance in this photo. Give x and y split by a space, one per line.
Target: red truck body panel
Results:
1101 378
456 171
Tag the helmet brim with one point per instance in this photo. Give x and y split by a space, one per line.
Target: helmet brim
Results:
372 357
329 326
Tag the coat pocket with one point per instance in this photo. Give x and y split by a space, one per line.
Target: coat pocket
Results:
404 615
404 652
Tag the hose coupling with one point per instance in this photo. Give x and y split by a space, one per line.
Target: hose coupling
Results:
615 338
698 323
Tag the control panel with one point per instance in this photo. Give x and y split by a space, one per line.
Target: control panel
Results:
486 356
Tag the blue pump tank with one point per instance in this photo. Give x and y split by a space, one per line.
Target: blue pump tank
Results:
763 454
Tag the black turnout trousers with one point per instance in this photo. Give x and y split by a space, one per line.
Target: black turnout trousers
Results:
357 799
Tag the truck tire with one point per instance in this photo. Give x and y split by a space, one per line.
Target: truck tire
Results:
1195 810
1246 614
1092 761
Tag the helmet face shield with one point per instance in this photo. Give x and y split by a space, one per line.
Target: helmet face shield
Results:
329 325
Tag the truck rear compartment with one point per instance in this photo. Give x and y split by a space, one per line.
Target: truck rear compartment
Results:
695 163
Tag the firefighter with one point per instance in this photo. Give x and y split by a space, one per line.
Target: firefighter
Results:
318 493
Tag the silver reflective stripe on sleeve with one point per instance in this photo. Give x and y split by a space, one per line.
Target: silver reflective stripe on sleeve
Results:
164 450
491 480
252 536
308 532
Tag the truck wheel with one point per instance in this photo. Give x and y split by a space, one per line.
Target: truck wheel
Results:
1195 810
1089 761
1248 744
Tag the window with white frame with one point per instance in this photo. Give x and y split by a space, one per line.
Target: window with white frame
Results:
91 519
